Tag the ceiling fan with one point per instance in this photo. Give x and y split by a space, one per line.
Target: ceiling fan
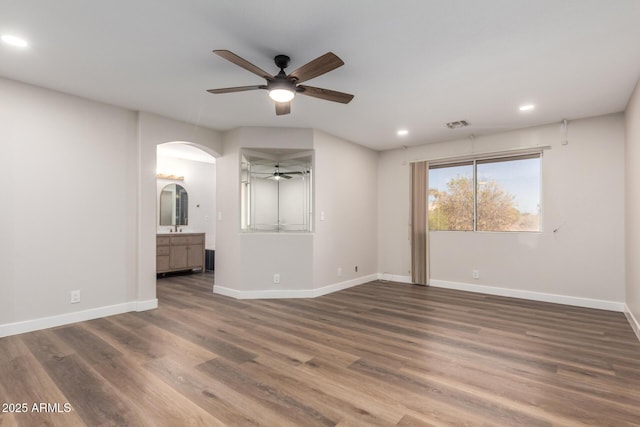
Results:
282 87
277 174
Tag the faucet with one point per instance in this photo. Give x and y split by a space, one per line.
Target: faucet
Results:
176 228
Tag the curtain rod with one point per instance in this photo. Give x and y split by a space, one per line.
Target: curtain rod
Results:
485 155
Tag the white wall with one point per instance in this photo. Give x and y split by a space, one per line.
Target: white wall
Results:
80 209
200 183
245 264
345 190
154 130
69 167
583 196
345 180
632 199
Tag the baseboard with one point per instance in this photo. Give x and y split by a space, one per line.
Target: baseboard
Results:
388 277
147 305
292 293
635 325
77 316
262 294
531 295
344 285
513 293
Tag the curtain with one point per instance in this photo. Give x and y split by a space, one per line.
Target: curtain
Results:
419 223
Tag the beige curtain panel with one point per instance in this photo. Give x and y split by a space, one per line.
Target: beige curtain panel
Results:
419 223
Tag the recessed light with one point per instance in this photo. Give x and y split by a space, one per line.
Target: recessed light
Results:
527 107
14 40
402 132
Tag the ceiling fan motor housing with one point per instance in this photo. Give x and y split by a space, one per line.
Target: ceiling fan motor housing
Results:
282 61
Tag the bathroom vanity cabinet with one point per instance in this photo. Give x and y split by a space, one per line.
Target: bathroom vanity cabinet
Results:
179 251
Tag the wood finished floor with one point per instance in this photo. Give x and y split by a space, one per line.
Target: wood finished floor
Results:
380 354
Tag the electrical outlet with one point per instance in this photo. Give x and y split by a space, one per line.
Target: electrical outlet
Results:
339 271
75 297
475 274
276 278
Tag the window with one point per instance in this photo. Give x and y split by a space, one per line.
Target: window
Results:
488 194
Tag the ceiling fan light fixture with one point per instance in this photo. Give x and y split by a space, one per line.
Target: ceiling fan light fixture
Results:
281 95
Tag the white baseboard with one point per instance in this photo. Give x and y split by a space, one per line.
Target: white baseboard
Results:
531 295
514 293
635 325
74 317
147 305
292 293
388 277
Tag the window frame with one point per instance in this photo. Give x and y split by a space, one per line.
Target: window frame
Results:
493 158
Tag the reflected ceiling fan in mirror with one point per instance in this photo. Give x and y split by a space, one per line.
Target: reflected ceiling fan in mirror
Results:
283 87
277 174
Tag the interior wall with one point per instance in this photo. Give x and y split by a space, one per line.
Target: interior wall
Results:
228 213
346 211
307 263
632 183
582 198
246 262
200 183
69 166
154 130
81 205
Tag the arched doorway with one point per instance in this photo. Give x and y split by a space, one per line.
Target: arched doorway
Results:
192 169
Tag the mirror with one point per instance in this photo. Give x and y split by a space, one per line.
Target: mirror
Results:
276 190
174 205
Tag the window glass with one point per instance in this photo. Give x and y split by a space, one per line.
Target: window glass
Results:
501 194
451 197
508 195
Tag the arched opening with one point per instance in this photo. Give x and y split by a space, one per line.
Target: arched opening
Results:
185 218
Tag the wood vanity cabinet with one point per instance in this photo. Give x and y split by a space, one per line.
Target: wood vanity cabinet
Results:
181 251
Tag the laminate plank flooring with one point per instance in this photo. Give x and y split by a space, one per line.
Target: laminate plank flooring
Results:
379 354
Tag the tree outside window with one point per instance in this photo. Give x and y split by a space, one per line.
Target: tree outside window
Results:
486 195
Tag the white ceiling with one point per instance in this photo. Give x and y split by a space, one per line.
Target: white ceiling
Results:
413 64
182 150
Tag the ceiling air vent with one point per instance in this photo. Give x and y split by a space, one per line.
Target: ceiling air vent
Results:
458 124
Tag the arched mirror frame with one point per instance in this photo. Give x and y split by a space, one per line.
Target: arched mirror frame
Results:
174 205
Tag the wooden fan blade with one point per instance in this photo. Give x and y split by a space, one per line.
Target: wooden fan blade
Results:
236 89
327 94
323 64
283 108
232 57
